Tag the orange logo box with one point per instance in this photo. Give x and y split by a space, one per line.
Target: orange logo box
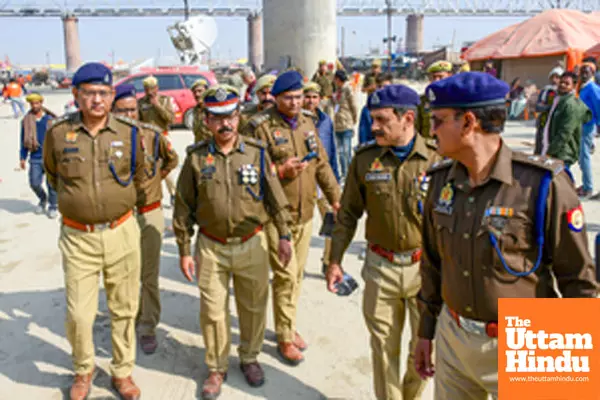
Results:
549 349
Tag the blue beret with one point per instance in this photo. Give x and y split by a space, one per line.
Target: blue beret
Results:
124 90
221 99
92 73
289 80
467 90
393 96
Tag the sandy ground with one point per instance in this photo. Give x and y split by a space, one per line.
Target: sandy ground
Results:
35 355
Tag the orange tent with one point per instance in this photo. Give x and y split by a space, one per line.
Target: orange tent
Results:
530 49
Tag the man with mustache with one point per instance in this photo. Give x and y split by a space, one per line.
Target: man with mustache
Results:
301 163
94 161
228 188
265 100
387 180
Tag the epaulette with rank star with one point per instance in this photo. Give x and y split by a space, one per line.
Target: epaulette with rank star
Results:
193 147
255 142
365 145
440 165
258 119
126 120
546 163
150 126
63 118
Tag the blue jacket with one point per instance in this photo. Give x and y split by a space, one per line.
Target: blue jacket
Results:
364 126
325 128
41 126
590 95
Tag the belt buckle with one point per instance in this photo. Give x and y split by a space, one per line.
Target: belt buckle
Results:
234 240
101 227
472 326
403 259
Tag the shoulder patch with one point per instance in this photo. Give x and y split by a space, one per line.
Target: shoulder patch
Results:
366 145
126 120
542 162
440 165
193 147
255 142
258 119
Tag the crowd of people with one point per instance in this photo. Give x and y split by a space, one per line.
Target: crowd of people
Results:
440 188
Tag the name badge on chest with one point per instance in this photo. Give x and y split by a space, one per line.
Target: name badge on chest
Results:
208 169
377 172
279 138
445 202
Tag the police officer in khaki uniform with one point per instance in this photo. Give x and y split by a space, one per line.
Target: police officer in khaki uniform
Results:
200 131
265 100
228 188
387 180
324 79
373 73
93 159
301 163
157 110
159 159
436 71
494 222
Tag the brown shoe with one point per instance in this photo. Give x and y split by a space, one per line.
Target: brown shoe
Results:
299 342
126 388
290 353
148 343
211 389
253 373
81 386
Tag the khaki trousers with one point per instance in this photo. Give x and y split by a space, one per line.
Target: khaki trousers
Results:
324 207
248 264
390 293
116 254
287 281
152 226
466 364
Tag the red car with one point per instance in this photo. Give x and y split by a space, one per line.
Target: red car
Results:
174 82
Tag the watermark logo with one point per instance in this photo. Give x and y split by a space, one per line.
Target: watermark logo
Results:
549 349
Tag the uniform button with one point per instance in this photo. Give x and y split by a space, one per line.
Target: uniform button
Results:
483 267
401 214
469 213
468 309
403 237
471 199
466 273
466 236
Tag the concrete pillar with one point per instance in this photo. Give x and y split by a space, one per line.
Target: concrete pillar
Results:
72 51
255 41
414 33
303 31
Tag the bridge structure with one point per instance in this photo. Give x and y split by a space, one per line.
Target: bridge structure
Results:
254 10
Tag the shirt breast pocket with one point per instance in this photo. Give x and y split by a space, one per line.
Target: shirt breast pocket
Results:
444 226
73 167
514 247
280 153
379 193
207 187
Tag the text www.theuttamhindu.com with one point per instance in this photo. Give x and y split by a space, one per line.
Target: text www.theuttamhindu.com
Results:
549 379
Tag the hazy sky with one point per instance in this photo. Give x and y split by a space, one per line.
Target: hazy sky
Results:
34 40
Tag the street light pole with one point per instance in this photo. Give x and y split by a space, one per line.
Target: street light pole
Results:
389 33
186 10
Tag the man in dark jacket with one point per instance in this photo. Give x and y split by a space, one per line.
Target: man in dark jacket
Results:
565 122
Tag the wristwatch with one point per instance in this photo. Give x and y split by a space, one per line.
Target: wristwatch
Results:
287 237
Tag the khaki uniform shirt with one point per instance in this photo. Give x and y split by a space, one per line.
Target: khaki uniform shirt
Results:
369 75
248 111
391 191
423 121
164 158
460 266
283 143
78 166
325 81
221 193
345 110
201 132
161 115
